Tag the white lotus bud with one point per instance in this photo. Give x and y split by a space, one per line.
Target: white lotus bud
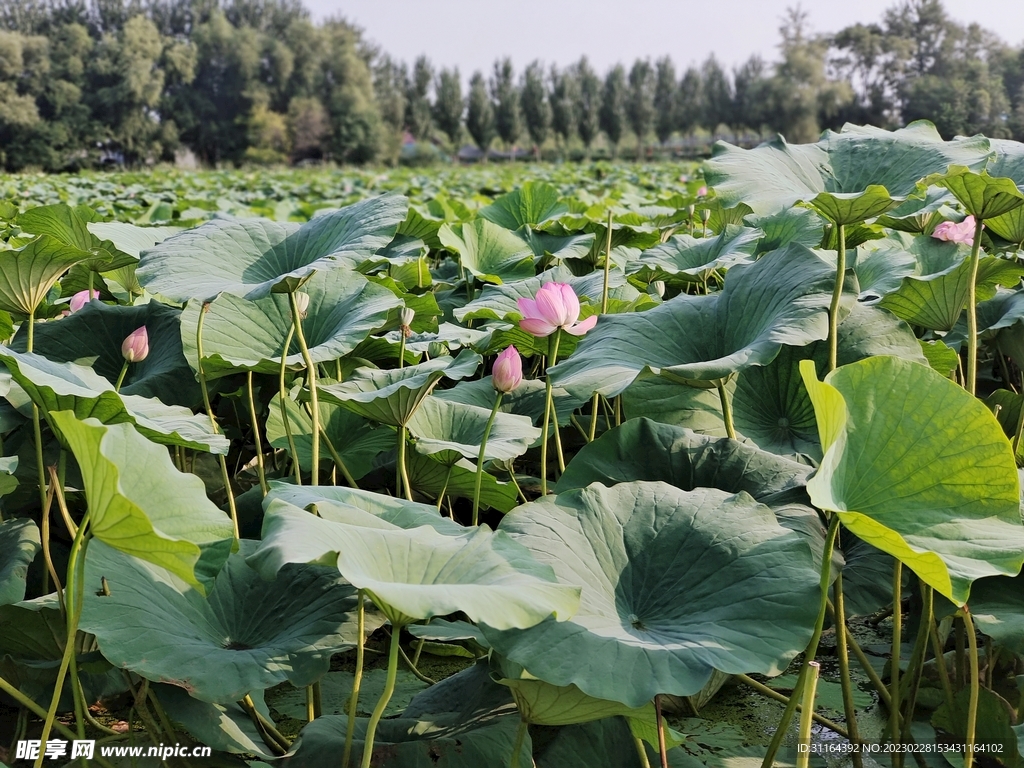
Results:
302 301
659 288
406 316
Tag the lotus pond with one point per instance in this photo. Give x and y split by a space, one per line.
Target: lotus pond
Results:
608 466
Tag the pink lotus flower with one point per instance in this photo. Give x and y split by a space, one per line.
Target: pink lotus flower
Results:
702 191
952 232
135 347
507 373
555 306
82 298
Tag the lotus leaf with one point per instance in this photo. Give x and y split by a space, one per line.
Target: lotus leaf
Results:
688 259
527 399
440 425
28 274
458 480
997 605
19 544
336 692
982 196
792 225
854 207
224 727
498 302
488 251
533 204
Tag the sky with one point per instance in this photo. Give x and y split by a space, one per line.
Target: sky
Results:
471 34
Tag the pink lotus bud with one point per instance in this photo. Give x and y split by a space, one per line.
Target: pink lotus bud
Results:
82 298
702 191
952 232
135 347
555 306
507 373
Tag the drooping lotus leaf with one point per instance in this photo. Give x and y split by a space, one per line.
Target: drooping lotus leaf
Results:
443 425
71 387
392 396
670 402
997 606
920 214
92 336
854 207
881 265
70 226
8 466
19 544
791 225
569 246
28 274
676 584
604 742
224 727
689 259
344 308
432 477
775 175
250 258
1007 160
498 302
998 320
490 252
142 505
982 196
532 204
419 573
528 399
131 238
230 642
920 469
781 299
1009 226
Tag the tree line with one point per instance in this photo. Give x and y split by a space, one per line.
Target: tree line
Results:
84 82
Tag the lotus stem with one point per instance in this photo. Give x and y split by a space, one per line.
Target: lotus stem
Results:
837 294
336 458
730 430
225 477
385 697
940 663
764 690
607 266
593 418
254 418
401 350
1020 430
972 315
849 709
47 556
412 666
916 668
641 751
894 661
403 471
283 393
972 707
662 750
480 459
812 646
444 488
517 746
37 428
803 755
552 358
958 671
269 739
357 678
314 399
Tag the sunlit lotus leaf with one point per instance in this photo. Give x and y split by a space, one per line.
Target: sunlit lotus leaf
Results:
489 251
920 469
528 399
791 225
982 195
854 207
569 246
131 238
1007 160
688 259
19 544
28 274
498 302
440 425
431 476
920 214
224 727
676 584
250 258
532 204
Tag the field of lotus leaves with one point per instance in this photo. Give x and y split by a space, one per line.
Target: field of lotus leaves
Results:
597 448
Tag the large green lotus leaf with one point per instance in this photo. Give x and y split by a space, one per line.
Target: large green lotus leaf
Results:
920 469
670 402
1007 159
528 399
532 204
355 441
70 387
982 196
8 466
93 335
790 225
70 226
223 645
344 308
19 544
141 505
224 727
688 259
676 584
443 425
997 606
854 207
603 742
543 244
781 299
28 274
392 396
419 573
881 265
489 251
498 302
919 214
431 476
131 238
252 257
1009 226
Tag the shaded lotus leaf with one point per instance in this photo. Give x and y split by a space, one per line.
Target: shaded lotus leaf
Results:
918 468
854 207
569 246
19 544
920 214
997 607
528 399
392 396
256 256
992 723
93 336
983 196
532 204
489 251
418 573
940 356
142 505
439 425
229 642
1007 160
1006 405
998 320
867 578
603 742
344 308
355 441
336 691
28 274
881 265
224 727
70 387
1009 226
675 583
498 302
781 299
688 259
791 225
8 466
670 402
432 476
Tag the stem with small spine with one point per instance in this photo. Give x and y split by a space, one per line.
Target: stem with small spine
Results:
972 312
894 662
480 459
385 697
552 357
254 418
314 399
972 706
723 396
807 709
403 472
837 293
357 678
849 708
283 394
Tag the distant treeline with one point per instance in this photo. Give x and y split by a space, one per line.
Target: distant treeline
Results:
87 82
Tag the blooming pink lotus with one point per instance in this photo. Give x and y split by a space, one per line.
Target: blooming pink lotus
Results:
507 373
554 307
82 298
952 232
135 347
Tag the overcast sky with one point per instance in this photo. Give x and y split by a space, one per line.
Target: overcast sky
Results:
471 34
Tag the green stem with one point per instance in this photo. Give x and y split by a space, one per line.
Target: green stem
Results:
314 399
660 723
894 660
120 376
972 313
607 266
972 707
849 708
412 667
916 668
444 488
480 460
225 477
837 293
593 418
283 393
401 350
254 418
403 472
37 434
940 664
812 646
803 756
552 357
385 697
730 430
641 751
517 746
764 690
357 679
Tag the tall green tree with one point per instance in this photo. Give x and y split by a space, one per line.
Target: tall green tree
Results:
449 106
588 107
389 87
480 114
508 116
640 102
418 111
690 101
535 105
717 92
613 106
665 99
565 97
751 92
